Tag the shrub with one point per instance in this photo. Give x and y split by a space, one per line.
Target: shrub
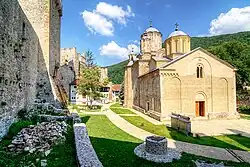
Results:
244 109
22 113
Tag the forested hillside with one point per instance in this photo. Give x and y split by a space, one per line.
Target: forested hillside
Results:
234 48
116 72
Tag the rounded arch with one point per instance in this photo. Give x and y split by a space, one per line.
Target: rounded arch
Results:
200 96
206 65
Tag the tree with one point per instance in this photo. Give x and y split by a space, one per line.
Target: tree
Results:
237 54
89 83
89 59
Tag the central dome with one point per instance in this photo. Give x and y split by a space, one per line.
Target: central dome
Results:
152 29
177 33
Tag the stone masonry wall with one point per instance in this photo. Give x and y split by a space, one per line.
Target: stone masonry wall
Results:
70 54
19 52
67 76
24 56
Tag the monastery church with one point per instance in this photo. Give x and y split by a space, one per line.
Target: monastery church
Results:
171 78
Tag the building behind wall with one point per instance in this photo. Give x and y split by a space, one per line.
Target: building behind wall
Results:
29 55
70 66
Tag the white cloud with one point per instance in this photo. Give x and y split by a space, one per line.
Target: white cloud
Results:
100 20
134 48
114 12
97 23
236 20
112 49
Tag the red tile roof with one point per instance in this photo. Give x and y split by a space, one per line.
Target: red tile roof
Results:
116 87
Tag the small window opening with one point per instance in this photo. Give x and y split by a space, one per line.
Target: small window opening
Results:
199 72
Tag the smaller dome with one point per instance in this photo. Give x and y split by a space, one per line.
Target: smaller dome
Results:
152 29
177 33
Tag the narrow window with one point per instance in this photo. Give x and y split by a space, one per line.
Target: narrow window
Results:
147 106
201 72
198 72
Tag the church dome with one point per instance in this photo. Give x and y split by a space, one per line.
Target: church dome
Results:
152 29
177 33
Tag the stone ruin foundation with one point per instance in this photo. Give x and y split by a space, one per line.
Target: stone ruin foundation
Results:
155 148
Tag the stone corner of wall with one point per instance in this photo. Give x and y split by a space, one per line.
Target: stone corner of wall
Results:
86 154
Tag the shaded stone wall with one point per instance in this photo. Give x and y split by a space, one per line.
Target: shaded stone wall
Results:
19 53
149 93
67 76
24 56
44 15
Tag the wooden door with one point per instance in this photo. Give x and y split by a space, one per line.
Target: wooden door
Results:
197 109
202 108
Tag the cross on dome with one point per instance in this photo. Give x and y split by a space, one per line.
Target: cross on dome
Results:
176 27
150 23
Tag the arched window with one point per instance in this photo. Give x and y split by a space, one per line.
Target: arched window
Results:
199 71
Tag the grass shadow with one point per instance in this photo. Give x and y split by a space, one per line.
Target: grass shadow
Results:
240 138
85 119
121 153
223 141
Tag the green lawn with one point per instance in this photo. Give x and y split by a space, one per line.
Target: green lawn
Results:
61 154
114 147
85 108
121 111
92 110
115 105
245 116
227 141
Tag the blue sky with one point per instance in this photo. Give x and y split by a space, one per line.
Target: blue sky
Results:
108 27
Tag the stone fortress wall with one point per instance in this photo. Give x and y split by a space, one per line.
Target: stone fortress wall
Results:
71 54
29 54
67 76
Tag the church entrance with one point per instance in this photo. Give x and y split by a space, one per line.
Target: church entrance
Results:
200 108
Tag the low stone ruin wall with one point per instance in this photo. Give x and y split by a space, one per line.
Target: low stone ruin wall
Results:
223 115
181 123
86 154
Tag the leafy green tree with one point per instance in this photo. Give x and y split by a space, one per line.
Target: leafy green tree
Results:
89 83
89 80
89 59
237 54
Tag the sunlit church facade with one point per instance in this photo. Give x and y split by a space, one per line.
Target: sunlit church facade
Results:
168 77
